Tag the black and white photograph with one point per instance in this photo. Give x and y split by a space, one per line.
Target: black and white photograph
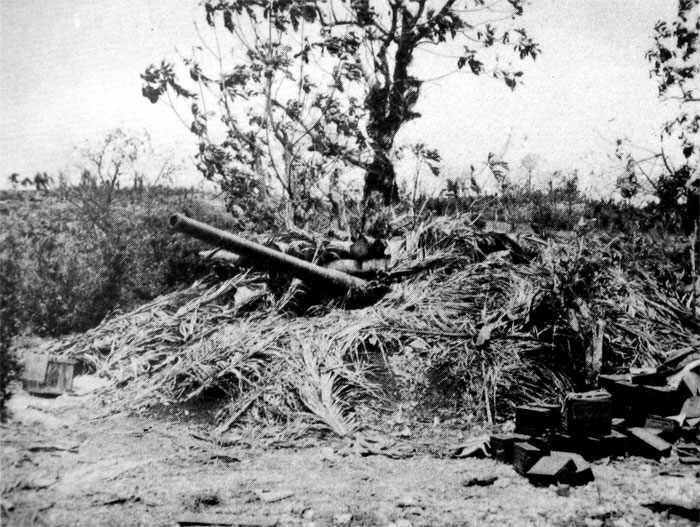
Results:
350 263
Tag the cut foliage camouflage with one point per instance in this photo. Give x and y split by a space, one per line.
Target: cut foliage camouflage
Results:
470 321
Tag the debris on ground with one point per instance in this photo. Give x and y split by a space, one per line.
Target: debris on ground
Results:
342 518
563 490
273 496
53 447
690 511
118 500
205 498
376 446
225 520
480 482
223 456
474 447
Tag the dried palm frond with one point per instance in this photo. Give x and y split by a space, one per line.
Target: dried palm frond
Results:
321 392
484 321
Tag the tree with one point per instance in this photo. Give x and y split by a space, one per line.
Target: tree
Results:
278 121
571 193
117 161
530 163
103 166
423 156
14 180
366 51
42 180
119 237
628 184
675 62
396 32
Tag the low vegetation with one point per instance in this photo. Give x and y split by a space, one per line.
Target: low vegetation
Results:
67 274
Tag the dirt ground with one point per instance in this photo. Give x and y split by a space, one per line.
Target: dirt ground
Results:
67 461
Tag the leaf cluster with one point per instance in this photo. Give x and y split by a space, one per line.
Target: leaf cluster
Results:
675 63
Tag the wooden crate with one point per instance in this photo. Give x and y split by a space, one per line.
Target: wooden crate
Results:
588 414
46 375
525 456
536 419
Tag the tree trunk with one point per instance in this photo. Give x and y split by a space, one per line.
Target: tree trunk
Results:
390 103
381 178
291 191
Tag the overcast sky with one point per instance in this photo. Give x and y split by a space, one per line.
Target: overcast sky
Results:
69 72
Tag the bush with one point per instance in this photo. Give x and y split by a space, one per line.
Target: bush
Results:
548 215
10 310
70 274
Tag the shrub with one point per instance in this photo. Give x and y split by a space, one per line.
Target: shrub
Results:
70 274
10 310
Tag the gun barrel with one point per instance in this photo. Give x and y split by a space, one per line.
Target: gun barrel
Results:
266 257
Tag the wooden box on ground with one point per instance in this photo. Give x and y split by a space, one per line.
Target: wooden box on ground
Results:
646 444
583 473
661 400
525 456
625 394
664 427
502 446
550 470
588 414
46 375
614 444
536 419
591 448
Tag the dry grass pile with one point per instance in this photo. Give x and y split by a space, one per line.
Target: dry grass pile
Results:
474 322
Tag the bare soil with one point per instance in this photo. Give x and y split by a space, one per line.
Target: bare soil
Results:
68 461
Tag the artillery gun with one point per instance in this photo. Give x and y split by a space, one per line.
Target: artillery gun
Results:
334 281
